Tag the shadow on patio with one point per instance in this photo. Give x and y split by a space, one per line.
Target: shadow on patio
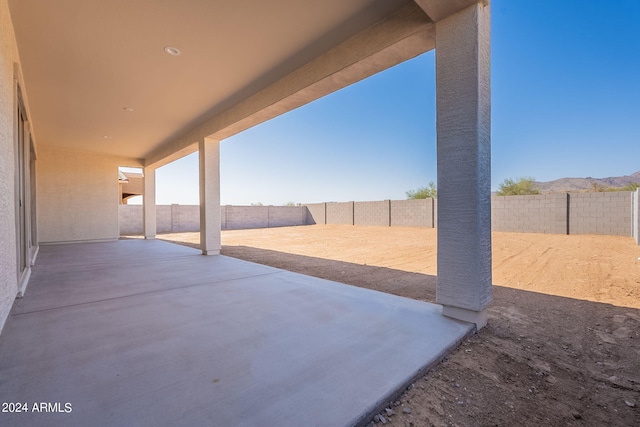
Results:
541 360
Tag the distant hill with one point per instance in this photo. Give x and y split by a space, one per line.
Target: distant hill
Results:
584 184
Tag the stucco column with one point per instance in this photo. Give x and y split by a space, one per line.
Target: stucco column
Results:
149 203
636 216
209 157
464 164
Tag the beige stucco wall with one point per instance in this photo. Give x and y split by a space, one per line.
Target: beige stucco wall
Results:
8 256
77 195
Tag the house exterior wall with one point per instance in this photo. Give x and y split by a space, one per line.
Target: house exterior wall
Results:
77 195
8 243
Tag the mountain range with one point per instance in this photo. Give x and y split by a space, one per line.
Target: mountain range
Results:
589 183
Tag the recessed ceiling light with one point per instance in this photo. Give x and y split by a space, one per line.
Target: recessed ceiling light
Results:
172 50
128 109
106 137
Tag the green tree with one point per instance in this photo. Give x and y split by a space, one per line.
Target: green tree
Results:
518 187
428 192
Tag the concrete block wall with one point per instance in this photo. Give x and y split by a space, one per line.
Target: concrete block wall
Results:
316 213
238 217
131 219
243 217
544 213
601 213
339 213
223 216
185 218
283 216
612 213
398 213
372 213
412 213
173 218
163 219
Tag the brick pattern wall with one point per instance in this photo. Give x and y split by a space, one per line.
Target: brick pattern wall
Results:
185 218
239 217
601 213
340 213
242 217
412 213
283 216
316 213
163 219
612 213
371 213
545 213
130 219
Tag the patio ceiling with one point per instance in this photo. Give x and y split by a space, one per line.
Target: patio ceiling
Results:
85 62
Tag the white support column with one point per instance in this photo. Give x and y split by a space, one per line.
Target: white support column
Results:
209 157
463 103
149 203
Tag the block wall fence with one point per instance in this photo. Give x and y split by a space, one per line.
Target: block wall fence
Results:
184 218
610 213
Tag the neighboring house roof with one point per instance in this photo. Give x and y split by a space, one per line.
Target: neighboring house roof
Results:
132 183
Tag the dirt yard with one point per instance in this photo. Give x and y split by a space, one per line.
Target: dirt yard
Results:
562 347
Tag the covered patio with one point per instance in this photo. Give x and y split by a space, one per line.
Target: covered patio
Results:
145 332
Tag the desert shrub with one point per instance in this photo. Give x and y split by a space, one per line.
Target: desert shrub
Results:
428 192
518 187
632 186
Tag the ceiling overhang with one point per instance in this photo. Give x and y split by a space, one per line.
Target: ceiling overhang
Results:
98 79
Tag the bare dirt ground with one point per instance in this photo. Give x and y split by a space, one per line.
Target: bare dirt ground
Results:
562 347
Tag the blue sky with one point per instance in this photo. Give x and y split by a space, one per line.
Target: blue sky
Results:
565 102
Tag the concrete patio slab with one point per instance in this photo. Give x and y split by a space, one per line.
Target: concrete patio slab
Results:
150 333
